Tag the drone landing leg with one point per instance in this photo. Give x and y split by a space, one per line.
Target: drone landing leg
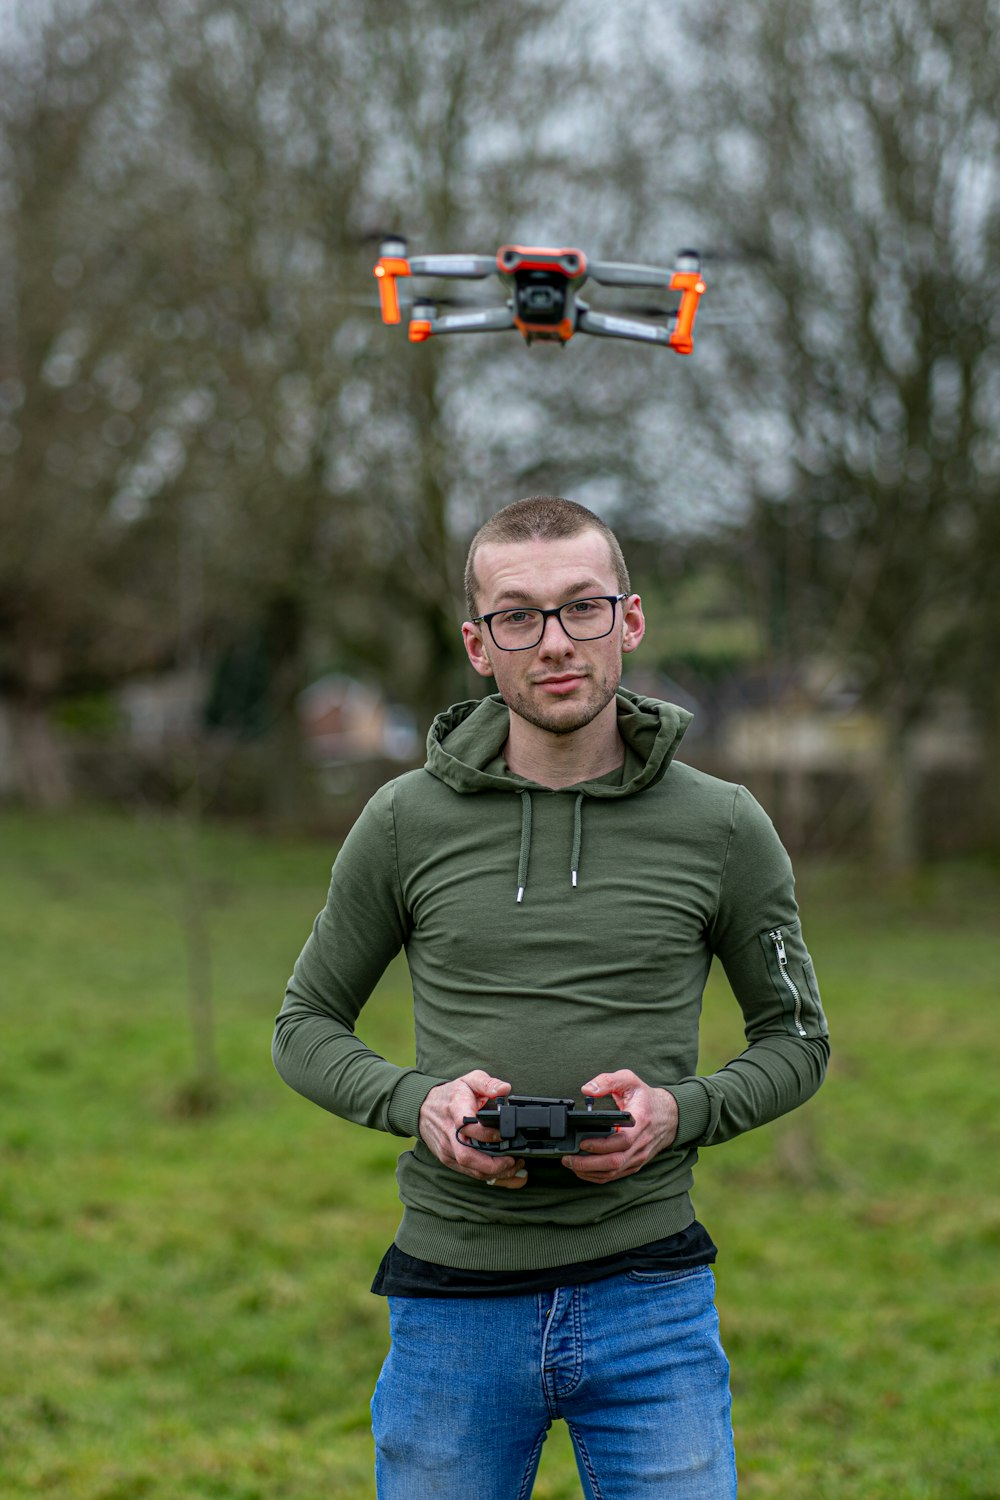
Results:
690 286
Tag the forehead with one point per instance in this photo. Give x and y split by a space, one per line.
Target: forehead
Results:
543 571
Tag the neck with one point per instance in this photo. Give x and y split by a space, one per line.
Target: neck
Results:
557 760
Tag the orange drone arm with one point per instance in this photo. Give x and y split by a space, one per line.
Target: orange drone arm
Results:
385 273
690 286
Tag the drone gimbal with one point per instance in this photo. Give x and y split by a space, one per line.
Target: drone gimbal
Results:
542 301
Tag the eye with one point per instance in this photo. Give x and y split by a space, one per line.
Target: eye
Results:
584 606
516 617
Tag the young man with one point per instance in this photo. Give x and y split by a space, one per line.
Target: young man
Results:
560 884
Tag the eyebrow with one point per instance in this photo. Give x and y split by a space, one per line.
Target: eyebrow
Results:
584 589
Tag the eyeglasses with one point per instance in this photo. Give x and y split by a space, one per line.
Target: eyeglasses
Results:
582 620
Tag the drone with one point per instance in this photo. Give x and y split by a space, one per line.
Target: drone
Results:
542 301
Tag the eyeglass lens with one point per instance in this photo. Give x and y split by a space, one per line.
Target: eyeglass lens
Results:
582 619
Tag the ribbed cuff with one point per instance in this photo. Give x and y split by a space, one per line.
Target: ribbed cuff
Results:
409 1094
694 1110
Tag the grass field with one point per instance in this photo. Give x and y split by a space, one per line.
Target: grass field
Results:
184 1309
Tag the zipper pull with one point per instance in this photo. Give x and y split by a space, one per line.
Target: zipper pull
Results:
779 947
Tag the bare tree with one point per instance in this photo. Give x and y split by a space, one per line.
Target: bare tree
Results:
74 404
854 148
192 384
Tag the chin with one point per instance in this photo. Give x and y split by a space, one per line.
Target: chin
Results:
569 724
566 718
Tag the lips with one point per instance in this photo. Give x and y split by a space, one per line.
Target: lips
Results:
565 683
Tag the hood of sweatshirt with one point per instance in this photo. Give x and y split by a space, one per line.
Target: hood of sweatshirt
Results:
465 751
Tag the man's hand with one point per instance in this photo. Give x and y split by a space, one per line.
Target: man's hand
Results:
441 1115
606 1158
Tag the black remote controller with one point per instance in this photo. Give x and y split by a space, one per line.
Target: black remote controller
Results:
530 1125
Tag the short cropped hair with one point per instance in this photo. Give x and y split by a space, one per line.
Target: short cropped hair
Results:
546 517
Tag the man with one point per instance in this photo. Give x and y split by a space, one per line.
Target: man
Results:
560 884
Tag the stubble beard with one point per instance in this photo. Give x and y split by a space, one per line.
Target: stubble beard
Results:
557 722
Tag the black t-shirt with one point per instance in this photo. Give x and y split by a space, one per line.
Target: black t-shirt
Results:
402 1275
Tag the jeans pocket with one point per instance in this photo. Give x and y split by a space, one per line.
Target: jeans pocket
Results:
666 1278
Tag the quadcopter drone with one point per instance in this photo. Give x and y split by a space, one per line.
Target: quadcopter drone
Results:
542 301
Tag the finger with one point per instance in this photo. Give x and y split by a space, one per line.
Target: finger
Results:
600 1170
480 1133
604 1145
501 1175
481 1164
517 1180
595 1162
612 1083
484 1084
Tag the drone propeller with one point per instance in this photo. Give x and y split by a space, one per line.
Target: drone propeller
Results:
735 255
436 301
361 299
376 236
733 320
717 316
643 310
417 299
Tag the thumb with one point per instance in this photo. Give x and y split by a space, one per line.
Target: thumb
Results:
485 1085
620 1085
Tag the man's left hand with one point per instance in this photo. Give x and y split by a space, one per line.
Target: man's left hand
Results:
606 1158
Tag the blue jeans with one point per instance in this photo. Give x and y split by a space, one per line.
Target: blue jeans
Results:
632 1364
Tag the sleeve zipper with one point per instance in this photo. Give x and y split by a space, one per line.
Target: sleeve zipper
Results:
779 947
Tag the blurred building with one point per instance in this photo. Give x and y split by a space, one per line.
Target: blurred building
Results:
825 766
345 720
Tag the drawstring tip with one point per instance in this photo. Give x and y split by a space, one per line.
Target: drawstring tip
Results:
573 874
520 892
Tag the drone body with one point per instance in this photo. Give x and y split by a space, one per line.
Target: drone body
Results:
542 301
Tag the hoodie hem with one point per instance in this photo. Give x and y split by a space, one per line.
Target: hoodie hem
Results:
538 1247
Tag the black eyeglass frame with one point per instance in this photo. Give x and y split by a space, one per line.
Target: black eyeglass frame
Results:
546 614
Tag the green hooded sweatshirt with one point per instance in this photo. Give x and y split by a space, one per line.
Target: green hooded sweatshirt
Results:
552 935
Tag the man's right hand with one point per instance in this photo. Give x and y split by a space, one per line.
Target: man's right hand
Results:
441 1116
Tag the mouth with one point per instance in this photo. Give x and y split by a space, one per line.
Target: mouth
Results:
563 683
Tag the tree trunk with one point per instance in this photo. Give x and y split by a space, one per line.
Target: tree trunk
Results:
895 814
194 906
39 774
989 794
289 793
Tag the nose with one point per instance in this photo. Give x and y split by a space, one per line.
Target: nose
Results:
556 640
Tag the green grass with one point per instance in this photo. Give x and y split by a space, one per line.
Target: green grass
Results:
185 1310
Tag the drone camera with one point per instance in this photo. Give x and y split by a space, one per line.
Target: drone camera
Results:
539 298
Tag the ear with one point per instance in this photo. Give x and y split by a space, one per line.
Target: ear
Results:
634 622
475 648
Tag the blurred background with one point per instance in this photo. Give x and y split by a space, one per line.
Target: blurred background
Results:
234 506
